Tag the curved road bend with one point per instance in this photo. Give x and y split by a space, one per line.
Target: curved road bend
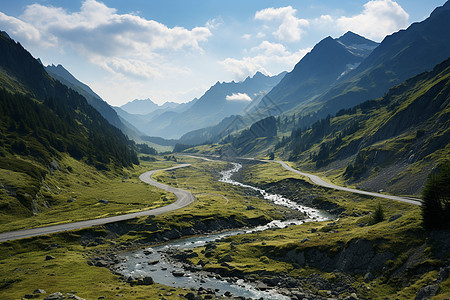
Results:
184 198
319 181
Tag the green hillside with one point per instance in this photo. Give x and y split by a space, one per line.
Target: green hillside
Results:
391 143
46 127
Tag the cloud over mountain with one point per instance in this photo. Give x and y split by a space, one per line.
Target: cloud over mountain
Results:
290 29
122 43
377 19
266 56
238 97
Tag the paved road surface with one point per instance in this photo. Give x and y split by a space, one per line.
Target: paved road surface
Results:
184 198
319 181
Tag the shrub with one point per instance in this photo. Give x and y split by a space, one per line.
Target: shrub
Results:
436 199
378 215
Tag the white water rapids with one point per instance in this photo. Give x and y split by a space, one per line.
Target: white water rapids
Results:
141 263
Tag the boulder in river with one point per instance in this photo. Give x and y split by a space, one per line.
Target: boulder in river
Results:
153 262
178 273
147 280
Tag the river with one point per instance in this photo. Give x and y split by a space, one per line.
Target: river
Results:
156 263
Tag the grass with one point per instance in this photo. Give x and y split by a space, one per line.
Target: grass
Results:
264 253
24 269
86 186
213 200
257 255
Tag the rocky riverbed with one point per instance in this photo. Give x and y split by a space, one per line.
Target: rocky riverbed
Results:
168 264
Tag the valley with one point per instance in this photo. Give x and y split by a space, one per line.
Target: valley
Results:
152 154
228 210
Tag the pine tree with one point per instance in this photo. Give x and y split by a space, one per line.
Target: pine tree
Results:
378 215
436 199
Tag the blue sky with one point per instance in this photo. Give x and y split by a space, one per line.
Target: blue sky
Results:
175 50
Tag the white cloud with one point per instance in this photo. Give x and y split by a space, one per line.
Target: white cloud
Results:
214 23
260 35
266 56
131 67
22 30
290 29
238 97
323 20
246 36
100 30
244 67
378 19
120 43
271 49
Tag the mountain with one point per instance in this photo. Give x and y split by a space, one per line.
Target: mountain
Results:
65 77
303 97
399 56
213 134
391 143
220 101
43 122
140 107
329 60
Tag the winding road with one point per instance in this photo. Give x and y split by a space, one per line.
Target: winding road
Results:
319 181
184 198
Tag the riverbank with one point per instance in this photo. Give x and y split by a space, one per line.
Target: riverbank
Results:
158 264
269 259
351 257
25 267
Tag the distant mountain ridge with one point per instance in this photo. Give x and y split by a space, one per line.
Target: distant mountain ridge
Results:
140 107
208 110
329 60
341 73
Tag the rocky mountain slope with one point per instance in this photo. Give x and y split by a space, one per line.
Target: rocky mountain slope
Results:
391 143
42 122
65 77
220 101
327 62
399 56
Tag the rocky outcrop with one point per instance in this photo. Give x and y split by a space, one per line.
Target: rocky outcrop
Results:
199 225
357 257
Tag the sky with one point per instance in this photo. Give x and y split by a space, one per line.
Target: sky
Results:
174 50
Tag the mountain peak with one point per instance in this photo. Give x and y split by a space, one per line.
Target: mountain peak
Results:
439 9
140 106
3 33
258 75
350 38
59 70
